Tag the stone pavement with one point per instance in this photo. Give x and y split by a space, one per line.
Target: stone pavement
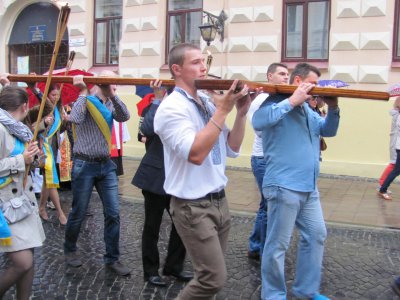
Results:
360 261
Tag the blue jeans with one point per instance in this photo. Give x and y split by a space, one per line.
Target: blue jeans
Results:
103 176
287 208
257 237
392 175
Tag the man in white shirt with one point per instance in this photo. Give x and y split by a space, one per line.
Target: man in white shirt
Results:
277 73
196 143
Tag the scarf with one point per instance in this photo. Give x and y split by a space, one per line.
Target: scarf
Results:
14 127
51 176
56 124
101 115
65 154
19 148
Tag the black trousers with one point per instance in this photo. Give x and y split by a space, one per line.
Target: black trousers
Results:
154 206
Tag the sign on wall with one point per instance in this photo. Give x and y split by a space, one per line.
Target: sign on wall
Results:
37 33
77 42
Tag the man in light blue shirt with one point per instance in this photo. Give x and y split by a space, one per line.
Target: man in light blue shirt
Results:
291 143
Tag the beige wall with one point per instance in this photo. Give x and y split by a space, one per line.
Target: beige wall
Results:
361 38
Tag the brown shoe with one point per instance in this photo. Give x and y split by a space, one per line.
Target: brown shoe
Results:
385 195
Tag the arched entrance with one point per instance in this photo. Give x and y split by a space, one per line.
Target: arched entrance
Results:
32 39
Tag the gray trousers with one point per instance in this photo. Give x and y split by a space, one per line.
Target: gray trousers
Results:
203 226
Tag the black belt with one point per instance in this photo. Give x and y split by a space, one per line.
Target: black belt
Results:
91 159
215 196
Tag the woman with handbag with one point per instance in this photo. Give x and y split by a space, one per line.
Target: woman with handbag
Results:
17 199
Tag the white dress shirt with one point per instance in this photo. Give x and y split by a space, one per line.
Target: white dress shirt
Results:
177 122
257 144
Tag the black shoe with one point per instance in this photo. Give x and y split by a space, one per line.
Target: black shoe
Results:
72 260
253 255
396 288
182 276
119 268
156 280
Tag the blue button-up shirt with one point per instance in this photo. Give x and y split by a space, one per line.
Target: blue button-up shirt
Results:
291 143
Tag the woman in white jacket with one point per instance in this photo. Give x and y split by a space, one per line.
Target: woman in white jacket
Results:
16 151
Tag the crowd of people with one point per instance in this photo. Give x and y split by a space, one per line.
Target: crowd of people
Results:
182 172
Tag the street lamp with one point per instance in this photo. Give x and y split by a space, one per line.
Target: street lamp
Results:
215 24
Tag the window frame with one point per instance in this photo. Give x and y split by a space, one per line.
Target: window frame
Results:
303 57
107 21
396 32
178 12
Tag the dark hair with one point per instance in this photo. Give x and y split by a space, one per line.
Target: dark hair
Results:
272 67
55 86
33 113
176 55
303 70
12 97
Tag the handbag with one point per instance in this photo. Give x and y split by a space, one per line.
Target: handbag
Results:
322 144
17 209
40 159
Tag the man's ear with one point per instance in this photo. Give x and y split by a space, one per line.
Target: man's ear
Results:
297 80
176 69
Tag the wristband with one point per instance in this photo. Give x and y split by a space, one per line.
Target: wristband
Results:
216 124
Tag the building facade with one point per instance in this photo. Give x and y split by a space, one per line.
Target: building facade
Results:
356 41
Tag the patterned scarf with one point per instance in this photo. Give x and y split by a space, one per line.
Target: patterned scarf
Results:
14 127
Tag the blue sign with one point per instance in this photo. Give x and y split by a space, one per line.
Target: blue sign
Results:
37 33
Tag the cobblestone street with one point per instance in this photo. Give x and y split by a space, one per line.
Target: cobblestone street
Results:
359 262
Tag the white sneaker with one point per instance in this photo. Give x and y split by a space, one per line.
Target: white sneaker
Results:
50 205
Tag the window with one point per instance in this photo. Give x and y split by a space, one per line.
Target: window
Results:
107 31
183 21
306 30
396 38
31 42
